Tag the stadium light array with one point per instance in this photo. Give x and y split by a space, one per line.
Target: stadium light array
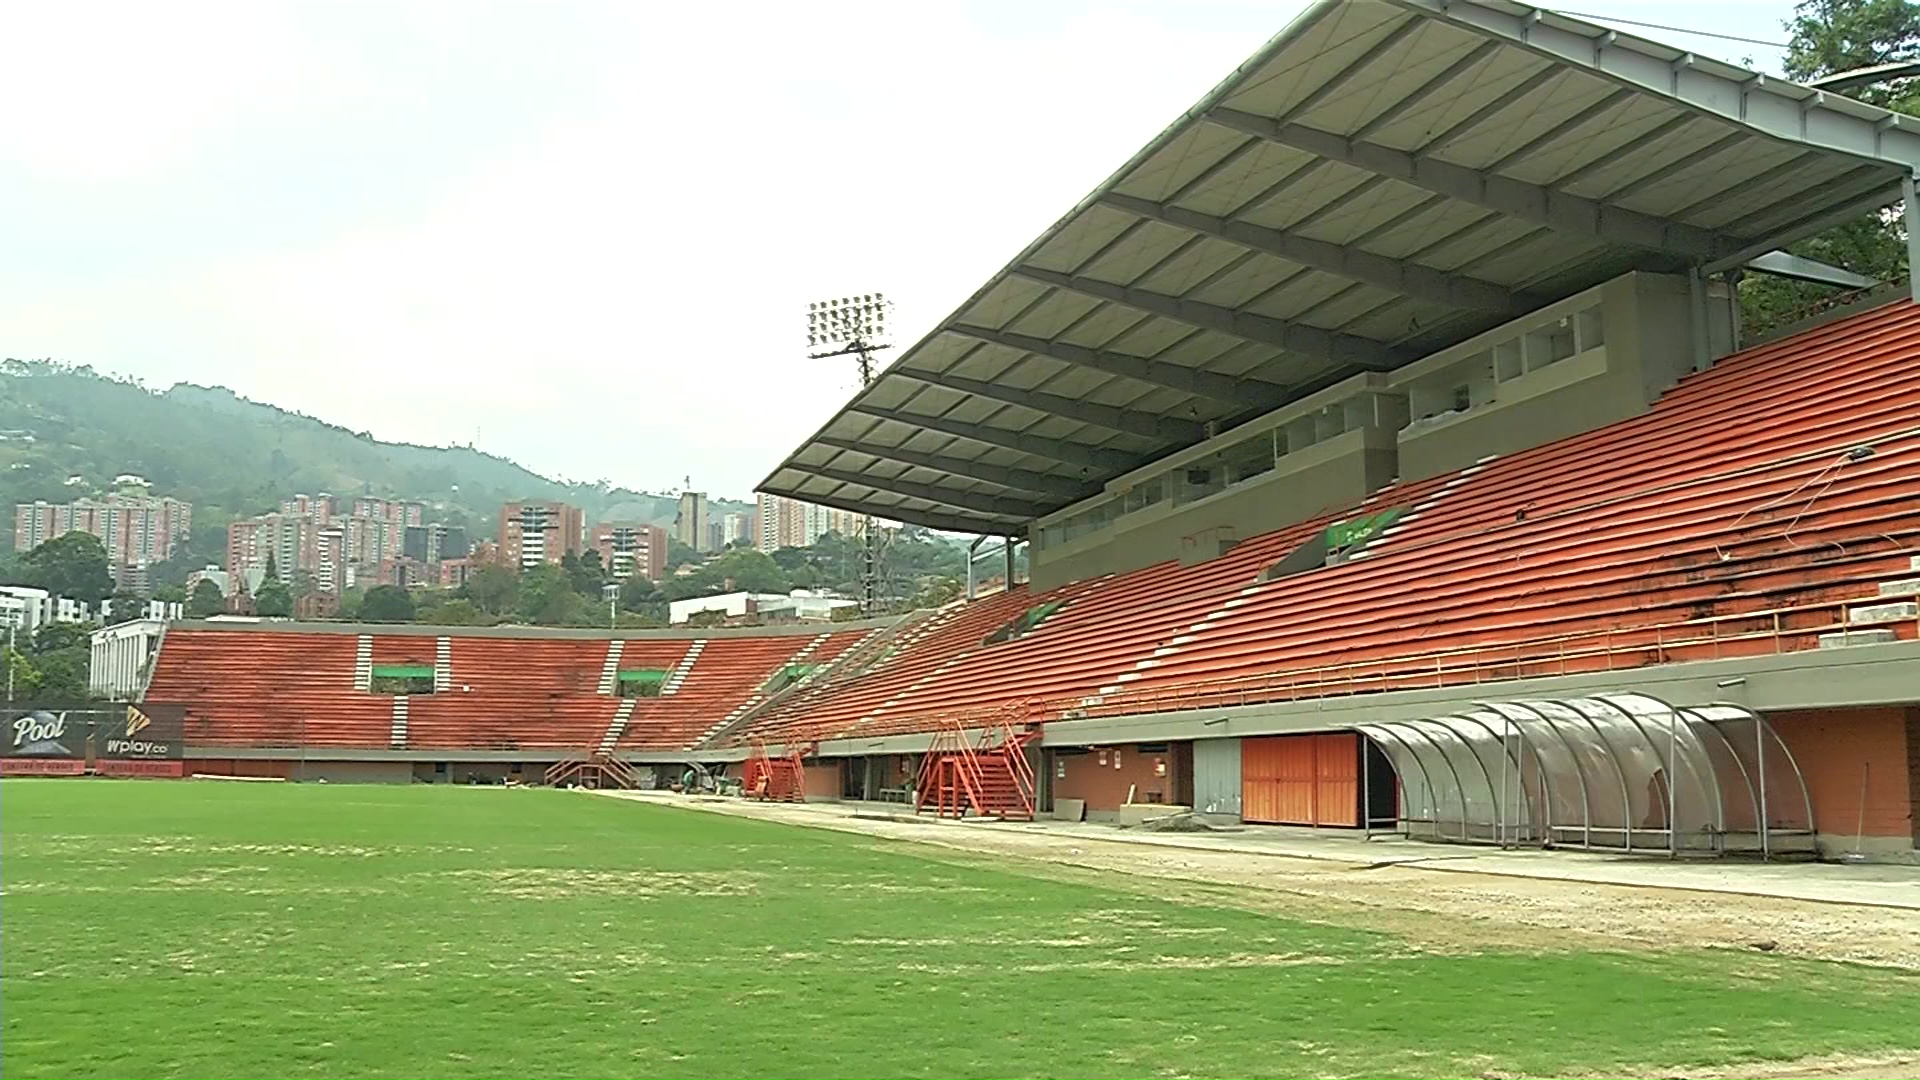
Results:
849 320
854 326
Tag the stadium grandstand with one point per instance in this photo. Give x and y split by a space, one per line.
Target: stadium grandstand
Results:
1389 453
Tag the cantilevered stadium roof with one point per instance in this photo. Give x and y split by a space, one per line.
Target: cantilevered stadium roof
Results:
1383 179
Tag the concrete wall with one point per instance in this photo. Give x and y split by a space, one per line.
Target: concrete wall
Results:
1340 472
1649 346
1103 776
822 780
356 772
1859 769
1216 777
1645 343
239 767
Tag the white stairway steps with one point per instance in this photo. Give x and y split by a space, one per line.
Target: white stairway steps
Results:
398 739
678 676
1864 625
363 663
1174 644
1368 549
618 726
443 665
759 697
610 671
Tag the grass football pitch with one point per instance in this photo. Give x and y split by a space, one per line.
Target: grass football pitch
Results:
199 929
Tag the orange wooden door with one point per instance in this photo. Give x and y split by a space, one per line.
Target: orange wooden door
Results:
1300 780
1336 780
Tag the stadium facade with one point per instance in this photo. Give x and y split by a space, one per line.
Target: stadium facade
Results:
1390 454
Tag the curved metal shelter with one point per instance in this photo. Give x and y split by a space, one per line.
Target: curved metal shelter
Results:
1622 771
1383 179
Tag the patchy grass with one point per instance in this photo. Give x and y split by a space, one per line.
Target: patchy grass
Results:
170 929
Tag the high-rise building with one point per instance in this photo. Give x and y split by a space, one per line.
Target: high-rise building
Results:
535 532
736 527
330 541
137 529
434 543
783 522
691 525
629 549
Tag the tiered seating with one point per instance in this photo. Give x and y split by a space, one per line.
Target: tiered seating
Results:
957 629
267 689
509 693
1734 495
1732 501
730 673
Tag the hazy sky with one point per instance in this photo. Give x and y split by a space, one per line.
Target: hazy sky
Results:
581 235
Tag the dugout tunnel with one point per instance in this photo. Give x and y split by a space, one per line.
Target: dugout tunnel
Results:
1625 772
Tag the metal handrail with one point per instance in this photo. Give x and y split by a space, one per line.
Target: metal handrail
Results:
1432 669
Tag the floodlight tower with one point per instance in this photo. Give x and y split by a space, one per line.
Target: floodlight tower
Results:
854 326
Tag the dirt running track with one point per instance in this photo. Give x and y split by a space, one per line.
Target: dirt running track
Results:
1473 907
1438 907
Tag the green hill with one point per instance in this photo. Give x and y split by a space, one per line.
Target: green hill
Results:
232 457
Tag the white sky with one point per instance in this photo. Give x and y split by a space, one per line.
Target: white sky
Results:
581 235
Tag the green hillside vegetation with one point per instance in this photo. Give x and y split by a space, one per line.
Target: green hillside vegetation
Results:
232 457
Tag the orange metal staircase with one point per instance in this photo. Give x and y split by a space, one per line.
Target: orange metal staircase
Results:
776 779
990 777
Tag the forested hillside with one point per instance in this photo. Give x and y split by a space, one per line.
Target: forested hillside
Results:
233 457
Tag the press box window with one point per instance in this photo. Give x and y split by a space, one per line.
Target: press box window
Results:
640 682
402 680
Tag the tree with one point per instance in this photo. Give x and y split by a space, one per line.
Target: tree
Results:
387 603
25 677
274 600
206 600
750 571
679 555
53 663
1829 37
584 573
126 604
493 589
171 594
547 598
456 612
73 565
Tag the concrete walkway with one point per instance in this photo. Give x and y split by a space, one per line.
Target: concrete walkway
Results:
1875 885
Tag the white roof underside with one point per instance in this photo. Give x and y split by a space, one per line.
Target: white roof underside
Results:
1383 179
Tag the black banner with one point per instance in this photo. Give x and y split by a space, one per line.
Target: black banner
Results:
140 732
92 732
46 732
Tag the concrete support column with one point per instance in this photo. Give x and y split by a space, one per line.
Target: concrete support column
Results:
1910 207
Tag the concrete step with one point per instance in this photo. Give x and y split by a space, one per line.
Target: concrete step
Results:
1849 638
1903 587
1881 613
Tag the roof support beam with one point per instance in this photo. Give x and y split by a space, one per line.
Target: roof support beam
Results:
1572 214
1086 457
1292 337
1027 480
1127 421
1206 384
931 519
971 501
1394 275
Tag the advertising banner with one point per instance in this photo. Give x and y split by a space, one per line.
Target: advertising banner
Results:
140 733
45 734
